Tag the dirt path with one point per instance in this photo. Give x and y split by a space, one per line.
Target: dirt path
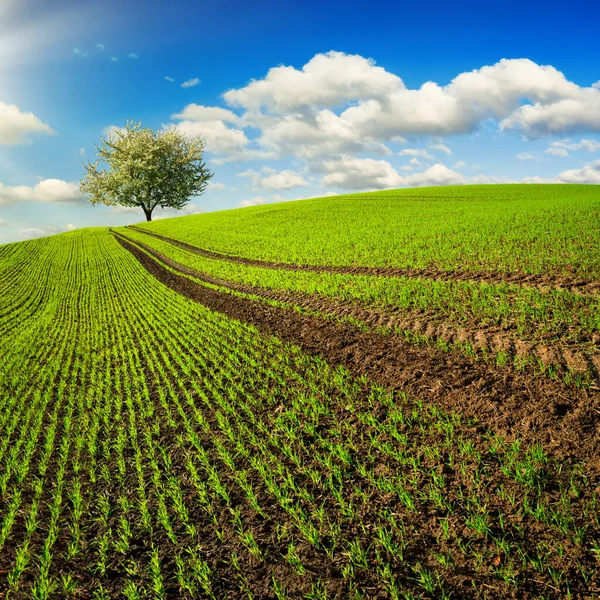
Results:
541 282
565 420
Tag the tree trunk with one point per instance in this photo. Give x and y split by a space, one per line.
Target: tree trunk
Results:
148 213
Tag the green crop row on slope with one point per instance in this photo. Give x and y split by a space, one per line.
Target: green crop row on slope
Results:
150 448
529 312
507 228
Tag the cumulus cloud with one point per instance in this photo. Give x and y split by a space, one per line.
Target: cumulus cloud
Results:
361 173
79 52
29 233
190 83
327 80
487 179
562 147
340 104
100 47
437 174
273 180
441 148
221 128
203 114
15 125
114 59
339 107
527 156
132 55
587 174
366 173
459 165
579 112
556 151
216 185
169 79
256 201
536 179
47 190
415 152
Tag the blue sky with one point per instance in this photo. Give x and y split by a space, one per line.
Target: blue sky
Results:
295 99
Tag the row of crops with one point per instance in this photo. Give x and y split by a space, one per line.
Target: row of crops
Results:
543 229
506 320
151 448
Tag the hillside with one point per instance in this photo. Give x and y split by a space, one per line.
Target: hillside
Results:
386 395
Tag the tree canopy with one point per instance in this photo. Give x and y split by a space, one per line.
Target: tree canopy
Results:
147 169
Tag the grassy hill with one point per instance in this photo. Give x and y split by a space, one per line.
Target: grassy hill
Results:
389 395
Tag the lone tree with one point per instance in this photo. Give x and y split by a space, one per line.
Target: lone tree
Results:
146 169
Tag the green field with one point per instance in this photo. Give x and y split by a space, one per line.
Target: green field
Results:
175 424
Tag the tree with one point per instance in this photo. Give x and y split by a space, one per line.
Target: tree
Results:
146 169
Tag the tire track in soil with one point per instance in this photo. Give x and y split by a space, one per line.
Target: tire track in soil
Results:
582 358
545 282
566 421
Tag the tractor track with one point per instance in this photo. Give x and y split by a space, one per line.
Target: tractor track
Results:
566 420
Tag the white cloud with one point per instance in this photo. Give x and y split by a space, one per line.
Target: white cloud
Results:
81 151
366 173
79 52
536 179
312 136
527 156
437 174
220 139
414 152
114 59
47 190
16 125
37 232
203 114
132 55
216 185
561 148
361 173
190 83
487 179
459 165
587 174
221 130
169 79
579 112
415 162
441 148
257 200
284 180
272 180
100 47
111 130
556 151
327 80
339 104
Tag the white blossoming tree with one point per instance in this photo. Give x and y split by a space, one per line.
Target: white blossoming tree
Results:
145 168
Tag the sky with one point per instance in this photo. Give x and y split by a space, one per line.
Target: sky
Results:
294 99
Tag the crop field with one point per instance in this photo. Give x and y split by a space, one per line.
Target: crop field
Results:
393 395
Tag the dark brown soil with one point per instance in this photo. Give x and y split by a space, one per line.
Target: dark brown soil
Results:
565 420
543 282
